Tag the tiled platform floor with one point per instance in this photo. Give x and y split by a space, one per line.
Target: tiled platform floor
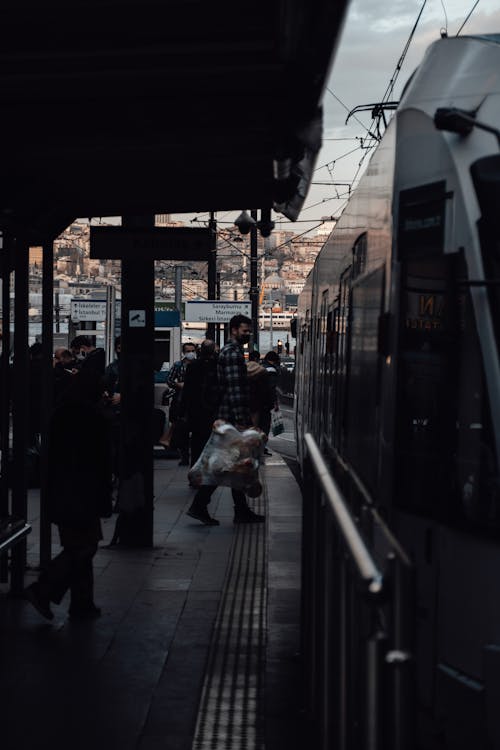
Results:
132 679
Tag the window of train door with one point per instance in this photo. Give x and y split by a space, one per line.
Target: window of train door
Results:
364 375
427 355
342 358
330 353
321 405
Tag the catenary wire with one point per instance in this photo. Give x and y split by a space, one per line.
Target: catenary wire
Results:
468 16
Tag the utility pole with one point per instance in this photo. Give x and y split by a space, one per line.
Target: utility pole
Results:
254 289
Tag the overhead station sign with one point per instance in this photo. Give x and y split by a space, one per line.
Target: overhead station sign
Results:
215 311
92 310
153 243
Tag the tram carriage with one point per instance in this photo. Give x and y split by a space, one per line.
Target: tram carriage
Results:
398 385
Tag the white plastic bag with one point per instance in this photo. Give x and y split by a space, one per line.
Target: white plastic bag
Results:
230 458
277 423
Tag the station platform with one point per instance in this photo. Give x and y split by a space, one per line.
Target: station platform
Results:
197 646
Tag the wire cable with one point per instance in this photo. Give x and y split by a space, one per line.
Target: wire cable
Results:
444 31
468 16
345 106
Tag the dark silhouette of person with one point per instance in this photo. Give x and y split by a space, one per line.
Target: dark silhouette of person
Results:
88 356
175 380
201 397
79 483
271 364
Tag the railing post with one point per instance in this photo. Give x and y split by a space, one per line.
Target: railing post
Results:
400 657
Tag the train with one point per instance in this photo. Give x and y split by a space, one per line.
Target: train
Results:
398 421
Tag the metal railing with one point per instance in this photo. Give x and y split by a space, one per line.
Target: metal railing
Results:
357 621
11 532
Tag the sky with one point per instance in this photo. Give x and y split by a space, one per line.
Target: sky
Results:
370 45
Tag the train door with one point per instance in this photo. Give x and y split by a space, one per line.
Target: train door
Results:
444 463
425 395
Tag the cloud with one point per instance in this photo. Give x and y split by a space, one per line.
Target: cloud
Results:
372 42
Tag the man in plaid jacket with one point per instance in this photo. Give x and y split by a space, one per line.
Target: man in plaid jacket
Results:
234 407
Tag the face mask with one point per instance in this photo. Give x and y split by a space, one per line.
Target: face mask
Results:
190 355
244 338
80 356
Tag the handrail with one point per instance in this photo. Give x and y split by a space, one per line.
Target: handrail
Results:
9 538
391 539
367 568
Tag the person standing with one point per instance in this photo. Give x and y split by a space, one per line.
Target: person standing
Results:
234 407
88 357
271 364
175 380
201 397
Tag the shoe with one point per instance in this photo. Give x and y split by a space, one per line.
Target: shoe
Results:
86 613
202 514
267 452
42 605
248 516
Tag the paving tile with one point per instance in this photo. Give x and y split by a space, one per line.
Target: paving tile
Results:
137 672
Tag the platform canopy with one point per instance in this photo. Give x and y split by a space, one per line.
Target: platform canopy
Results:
114 107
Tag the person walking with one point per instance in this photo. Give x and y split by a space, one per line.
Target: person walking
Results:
79 496
234 408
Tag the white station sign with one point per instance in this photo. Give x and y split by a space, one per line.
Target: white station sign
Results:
215 311
91 310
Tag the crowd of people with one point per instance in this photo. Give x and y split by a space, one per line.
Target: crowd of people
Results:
205 385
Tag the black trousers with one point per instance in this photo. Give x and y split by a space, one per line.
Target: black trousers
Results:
204 495
199 437
71 569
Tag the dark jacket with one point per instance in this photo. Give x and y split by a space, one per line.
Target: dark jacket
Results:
260 392
79 461
201 394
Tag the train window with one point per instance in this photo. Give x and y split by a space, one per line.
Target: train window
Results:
422 220
444 457
359 256
322 387
362 421
342 357
486 177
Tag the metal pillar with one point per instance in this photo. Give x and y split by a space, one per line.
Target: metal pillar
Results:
254 289
47 386
212 270
137 395
178 299
5 392
20 407
110 323
217 293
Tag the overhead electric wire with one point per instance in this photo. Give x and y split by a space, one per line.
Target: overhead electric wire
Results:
445 29
345 106
293 239
468 16
392 82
